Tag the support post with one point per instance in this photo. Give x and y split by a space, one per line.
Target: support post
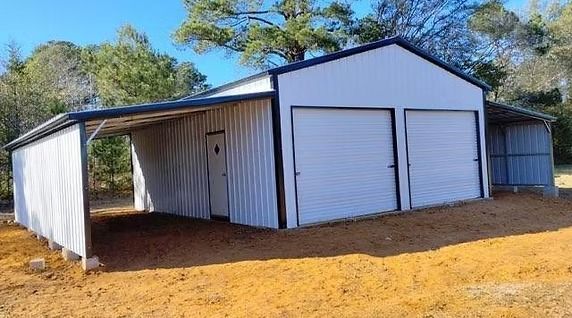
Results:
85 186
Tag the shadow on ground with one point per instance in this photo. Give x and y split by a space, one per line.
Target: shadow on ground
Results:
135 241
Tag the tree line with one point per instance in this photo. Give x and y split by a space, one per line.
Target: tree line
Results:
60 77
525 56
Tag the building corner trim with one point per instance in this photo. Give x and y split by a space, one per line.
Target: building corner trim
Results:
278 156
85 189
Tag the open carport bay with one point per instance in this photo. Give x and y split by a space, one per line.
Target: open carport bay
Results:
509 256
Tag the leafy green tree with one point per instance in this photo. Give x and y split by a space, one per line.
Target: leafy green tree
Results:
130 71
19 98
496 29
265 33
530 62
110 164
57 68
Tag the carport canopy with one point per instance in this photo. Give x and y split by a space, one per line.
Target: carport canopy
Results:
520 147
51 193
109 122
502 114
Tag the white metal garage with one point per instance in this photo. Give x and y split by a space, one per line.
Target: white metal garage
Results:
376 128
345 163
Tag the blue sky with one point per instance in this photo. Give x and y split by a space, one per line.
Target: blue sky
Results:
32 22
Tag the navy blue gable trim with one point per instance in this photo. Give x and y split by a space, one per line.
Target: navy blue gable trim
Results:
375 45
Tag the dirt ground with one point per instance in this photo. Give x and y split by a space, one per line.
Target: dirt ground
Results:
510 257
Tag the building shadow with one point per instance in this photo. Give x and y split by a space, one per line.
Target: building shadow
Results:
134 241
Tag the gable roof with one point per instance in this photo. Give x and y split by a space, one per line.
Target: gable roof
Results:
345 53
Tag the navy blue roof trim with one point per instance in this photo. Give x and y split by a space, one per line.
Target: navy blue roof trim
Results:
374 45
345 53
65 120
163 106
522 111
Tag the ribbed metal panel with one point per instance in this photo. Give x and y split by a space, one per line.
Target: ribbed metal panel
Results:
170 168
521 154
48 188
443 156
254 86
344 163
170 173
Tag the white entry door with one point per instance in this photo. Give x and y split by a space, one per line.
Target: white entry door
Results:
345 164
216 154
443 156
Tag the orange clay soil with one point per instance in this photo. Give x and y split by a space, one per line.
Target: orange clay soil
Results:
511 257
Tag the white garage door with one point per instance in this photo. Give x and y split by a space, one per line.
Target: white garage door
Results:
344 163
443 156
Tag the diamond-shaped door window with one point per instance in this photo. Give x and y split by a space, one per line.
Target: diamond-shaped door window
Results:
216 149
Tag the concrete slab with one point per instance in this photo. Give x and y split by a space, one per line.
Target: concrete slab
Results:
89 264
550 192
54 246
38 264
69 255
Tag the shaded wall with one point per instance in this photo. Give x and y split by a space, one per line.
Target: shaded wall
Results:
170 164
521 154
50 182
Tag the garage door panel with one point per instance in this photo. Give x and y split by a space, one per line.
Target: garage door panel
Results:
443 156
344 158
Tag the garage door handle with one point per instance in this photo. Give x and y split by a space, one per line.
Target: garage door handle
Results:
297 173
391 166
475 159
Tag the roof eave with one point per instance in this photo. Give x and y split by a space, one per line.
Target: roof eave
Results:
54 124
524 112
64 120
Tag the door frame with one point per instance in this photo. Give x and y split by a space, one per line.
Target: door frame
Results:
217 217
394 138
479 148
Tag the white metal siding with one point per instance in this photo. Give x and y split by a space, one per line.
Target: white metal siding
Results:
388 77
170 164
443 157
345 163
254 86
48 188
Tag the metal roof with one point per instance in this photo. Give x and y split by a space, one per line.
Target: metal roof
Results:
503 113
120 120
345 53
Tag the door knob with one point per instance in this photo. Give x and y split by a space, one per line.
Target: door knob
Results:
224 174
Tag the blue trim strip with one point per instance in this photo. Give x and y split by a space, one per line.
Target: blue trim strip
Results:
345 53
165 106
521 111
374 45
66 119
